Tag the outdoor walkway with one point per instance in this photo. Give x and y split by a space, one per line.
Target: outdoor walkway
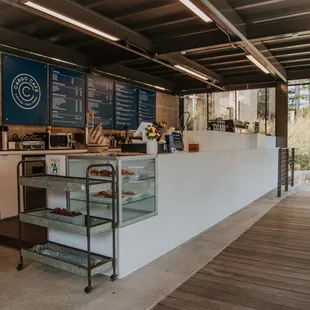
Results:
267 267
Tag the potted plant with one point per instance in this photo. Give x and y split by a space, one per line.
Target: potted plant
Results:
153 134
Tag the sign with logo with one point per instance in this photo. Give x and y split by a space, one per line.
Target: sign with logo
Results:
24 89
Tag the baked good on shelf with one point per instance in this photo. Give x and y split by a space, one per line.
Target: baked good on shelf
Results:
129 193
94 172
104 194
127 172
105 173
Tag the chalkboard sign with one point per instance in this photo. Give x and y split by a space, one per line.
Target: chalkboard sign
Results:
100 97
146 105
24 91
67 98
126 106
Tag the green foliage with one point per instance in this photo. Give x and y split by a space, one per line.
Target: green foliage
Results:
299 138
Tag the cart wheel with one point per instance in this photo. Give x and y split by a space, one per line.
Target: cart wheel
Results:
88 289
113 277
20 266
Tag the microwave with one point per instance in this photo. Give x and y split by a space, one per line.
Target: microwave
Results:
58 141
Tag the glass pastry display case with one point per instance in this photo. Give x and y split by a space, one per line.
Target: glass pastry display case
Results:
136 188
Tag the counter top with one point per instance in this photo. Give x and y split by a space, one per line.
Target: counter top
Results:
43 152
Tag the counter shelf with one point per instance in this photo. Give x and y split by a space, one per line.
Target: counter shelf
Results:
84 263
41 218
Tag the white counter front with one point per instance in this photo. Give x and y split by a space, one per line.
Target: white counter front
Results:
219 141
196 191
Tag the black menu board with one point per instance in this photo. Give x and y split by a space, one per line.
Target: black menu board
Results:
67 98
126 106
178 141
146 105
100 100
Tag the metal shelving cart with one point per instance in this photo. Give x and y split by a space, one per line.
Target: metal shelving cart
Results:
83 263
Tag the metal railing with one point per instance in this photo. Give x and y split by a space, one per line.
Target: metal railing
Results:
286 169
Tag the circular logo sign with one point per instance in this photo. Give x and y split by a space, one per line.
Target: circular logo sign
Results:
26 91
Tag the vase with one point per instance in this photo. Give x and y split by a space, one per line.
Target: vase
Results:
151 147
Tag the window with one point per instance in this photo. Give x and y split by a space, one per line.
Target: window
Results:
249 105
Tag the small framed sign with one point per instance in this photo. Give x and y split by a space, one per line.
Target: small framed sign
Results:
175 142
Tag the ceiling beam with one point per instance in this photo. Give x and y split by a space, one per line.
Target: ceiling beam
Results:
299 74
91 18
264 50
280 15
248 78
215 39
137 76
41 48
225 16
164 22
181 60
146 8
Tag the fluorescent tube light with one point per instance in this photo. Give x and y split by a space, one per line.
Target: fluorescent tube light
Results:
70 20
197 11
158 87
191 72
257 63
155 86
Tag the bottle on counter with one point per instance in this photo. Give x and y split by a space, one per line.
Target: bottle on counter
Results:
4 130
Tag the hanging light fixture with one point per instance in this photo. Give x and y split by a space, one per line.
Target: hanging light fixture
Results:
70 20
197 11
191 72
257 63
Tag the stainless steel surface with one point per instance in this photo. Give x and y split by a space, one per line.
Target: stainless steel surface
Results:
59 141
4 140
61 183
34 197
66 258
41 218
33 145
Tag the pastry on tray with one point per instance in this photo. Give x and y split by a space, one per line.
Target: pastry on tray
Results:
105 194
105 173
94 172
127 172
130 193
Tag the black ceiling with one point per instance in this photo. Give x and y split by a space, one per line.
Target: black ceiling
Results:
159 33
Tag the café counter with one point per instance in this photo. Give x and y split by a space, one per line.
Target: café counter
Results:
193 192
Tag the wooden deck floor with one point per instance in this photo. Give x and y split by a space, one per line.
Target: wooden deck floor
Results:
267 268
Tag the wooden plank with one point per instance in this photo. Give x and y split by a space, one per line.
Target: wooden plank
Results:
289 242
269 249
198 300
297 285
162 307
223 258
251 294
266 268
251 286
231 298
183 305
260 255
